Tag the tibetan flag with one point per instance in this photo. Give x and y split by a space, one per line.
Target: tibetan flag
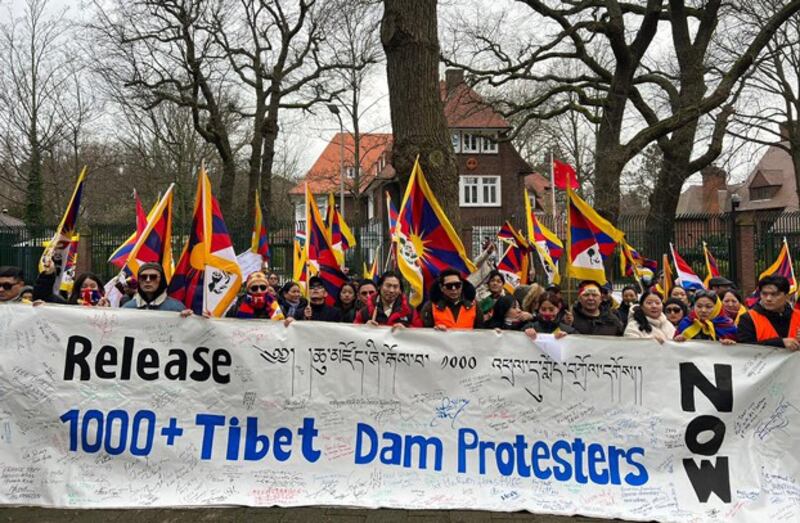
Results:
120 256
299 272
590 239
712 269
57 249
371 273
320 256
564 174
513 264
141 217
633 264
207 277
392 212
686 276
154 243
68 276
664 287
547 245
426 241
783 267
259 243
341 238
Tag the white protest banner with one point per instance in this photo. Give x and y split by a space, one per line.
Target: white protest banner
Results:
125 408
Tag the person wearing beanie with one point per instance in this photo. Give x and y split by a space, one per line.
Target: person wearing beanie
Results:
590 318
152 294
257 302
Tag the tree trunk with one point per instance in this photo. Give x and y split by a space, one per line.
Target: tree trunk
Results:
254 165
410 40
33 205
660 221
270 136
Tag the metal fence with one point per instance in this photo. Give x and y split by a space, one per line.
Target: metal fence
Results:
22 246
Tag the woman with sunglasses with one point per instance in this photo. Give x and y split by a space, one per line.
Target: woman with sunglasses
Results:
88 290
707 321
257 302
648 320
675 310
347 302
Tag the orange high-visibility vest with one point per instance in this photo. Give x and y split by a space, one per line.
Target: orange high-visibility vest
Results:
466 316
765 330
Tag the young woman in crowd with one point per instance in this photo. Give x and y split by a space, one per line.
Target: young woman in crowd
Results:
647 320
494 283
548 312
506 314
680 293
629 298
347 303
675 310
707 321
88 290
732 305
291 301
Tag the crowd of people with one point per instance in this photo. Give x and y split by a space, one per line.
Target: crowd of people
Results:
717 314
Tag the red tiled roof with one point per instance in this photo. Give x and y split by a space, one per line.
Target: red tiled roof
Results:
538 183
464 108
323 177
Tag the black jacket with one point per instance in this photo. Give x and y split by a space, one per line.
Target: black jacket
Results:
780 321
607 324
348 315
43 289
548 327
298 313
323 312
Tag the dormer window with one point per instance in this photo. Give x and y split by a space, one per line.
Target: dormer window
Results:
489 143
765 192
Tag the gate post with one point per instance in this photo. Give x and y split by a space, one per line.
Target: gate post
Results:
745 251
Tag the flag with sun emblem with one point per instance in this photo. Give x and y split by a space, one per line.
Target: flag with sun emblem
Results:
426 241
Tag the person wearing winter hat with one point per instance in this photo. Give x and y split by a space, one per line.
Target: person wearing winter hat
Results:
452 304
152 292
257 302
590 317
317 309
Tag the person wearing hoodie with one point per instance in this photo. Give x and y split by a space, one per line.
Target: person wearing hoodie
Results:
590 317
647 320
389 305
151 293
452 304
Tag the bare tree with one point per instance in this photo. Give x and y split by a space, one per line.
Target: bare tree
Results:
34 73
411 43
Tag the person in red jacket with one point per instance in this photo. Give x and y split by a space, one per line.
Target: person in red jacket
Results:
389 306
772 321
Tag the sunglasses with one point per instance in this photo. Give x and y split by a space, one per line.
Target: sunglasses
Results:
452 286
672 309
8 286
258 288
149 277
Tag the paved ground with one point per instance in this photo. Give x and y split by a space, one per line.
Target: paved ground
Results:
298 515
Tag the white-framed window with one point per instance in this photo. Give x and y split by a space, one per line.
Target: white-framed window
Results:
350 172
532 199
489 143
371 206
300 212
455 137
471 143
322 205
479 191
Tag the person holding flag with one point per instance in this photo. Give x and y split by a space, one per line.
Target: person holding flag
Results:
389 306
772 321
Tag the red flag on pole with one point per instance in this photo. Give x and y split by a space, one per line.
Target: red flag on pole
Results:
563 172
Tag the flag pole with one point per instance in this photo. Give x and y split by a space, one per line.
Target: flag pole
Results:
553 187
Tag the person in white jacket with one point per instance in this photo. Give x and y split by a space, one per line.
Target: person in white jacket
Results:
648 321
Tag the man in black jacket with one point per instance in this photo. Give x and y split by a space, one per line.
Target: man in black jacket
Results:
590 317
11 284
317 309
772 321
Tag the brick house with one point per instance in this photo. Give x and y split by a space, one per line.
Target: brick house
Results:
492 174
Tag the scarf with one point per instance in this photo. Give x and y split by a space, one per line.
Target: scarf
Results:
719 327
271 307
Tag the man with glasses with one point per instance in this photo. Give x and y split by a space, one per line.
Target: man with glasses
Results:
452 304
772 321
317 309
11 284
152 292
590 318
388 306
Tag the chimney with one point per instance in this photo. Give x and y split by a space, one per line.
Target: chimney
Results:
783 129
713 182
453 78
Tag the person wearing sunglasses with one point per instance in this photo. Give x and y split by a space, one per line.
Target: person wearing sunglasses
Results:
772 321
389 306
675 310
11 284
151 293
365 290
257 302
590 316
452 304
706 321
